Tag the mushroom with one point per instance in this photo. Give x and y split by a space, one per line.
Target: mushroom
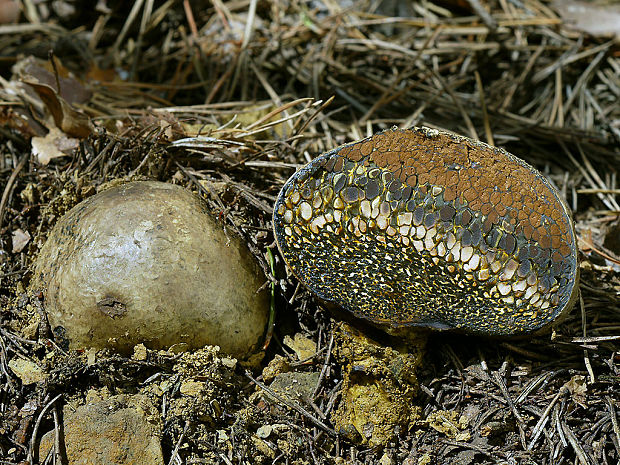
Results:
144 262
419 227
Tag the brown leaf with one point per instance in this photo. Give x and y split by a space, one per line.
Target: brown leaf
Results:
578 388
9 11
42 71
67 118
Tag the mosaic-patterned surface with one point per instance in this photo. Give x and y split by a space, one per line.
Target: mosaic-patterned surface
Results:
419 227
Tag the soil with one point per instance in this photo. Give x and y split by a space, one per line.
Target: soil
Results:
228 99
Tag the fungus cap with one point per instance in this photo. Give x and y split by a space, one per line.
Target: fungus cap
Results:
420 227
144 262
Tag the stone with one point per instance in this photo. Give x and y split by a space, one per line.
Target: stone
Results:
27 371
121 430
296 385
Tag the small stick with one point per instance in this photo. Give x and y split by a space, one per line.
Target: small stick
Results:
175 452
294 405
586 355
484 14
485 114
37 424
325 365
9 184
538 429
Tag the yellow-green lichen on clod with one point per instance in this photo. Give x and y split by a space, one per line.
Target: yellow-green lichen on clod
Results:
423 228
379 384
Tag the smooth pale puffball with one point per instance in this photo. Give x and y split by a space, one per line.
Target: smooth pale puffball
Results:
144 262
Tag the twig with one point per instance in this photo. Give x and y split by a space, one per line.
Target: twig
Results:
177 446
325 365
35 431
502 386
483 13
540 425
249 25
59 454
9 185
614 422
291 404
485 115
582 455
586 356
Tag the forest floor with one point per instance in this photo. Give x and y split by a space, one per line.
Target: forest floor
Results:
229 99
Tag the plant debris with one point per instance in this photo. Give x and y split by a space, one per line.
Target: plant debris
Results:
228 99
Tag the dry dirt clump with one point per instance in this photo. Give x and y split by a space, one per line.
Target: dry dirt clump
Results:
127 427
379 386
201 388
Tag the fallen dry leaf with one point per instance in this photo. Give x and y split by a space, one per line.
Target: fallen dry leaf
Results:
597 20
71 89
65 116
55 144
303 347
20 240
578 388
9 11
